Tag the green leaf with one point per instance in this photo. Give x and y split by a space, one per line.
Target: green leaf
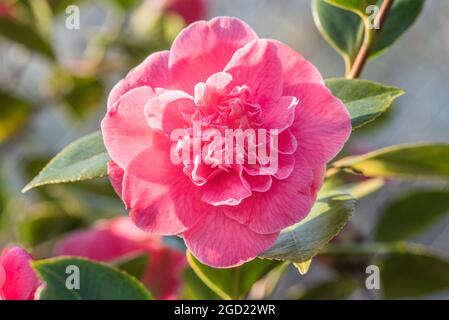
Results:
339 289
84 159
231 283
344 29
365 100
414 273
402 15
195 289
98 281
25 35
14 113
356 6
411 214
48 225
401 161
302 241
134 264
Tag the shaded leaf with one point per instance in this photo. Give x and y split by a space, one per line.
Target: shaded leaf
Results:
84 159
411 214
98 281
231 283
414 273
134 264
365 100
401 161
195 289
25 35
302 241
14 113
339 289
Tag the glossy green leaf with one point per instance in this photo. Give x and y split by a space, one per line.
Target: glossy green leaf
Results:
414 273
411 214
134 264
14 113
195 289
25 35
98 281
344 30
402 16
302 241
401 161
84 159
365 100
231 283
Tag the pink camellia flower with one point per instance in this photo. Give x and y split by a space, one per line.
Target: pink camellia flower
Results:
18 281
219 75
119 238
189 10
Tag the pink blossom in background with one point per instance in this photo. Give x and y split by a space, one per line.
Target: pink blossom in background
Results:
117 238
7 9
18 281
221 74
189 10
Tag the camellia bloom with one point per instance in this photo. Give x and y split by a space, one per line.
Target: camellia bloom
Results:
118 238
220 75
18 281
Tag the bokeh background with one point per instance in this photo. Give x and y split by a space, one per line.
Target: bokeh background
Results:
58 100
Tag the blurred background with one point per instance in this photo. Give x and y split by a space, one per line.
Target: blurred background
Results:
54 82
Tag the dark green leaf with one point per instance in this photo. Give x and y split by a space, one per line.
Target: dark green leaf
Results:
414 273
195 289
134 264
84 159
25 35
231 283
302 241
14 113
411 214
401 161
365 100
48 224
98 281
339 289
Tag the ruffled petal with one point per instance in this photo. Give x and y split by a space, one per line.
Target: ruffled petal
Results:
204 48
115 174
221 242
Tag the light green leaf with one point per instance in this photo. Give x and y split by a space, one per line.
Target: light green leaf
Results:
302 241
411 214
231 283
25 35
14 113
84 159
133 264
195 289
414 273
401 161
98 281
356 6
365 100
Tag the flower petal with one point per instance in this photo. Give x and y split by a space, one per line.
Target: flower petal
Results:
322 124
115 174
125 131
221 242
258 66
204 48
153 72
287 202
161 198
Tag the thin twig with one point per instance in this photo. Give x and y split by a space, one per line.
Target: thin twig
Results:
363 54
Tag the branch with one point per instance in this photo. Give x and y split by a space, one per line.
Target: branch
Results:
363 54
